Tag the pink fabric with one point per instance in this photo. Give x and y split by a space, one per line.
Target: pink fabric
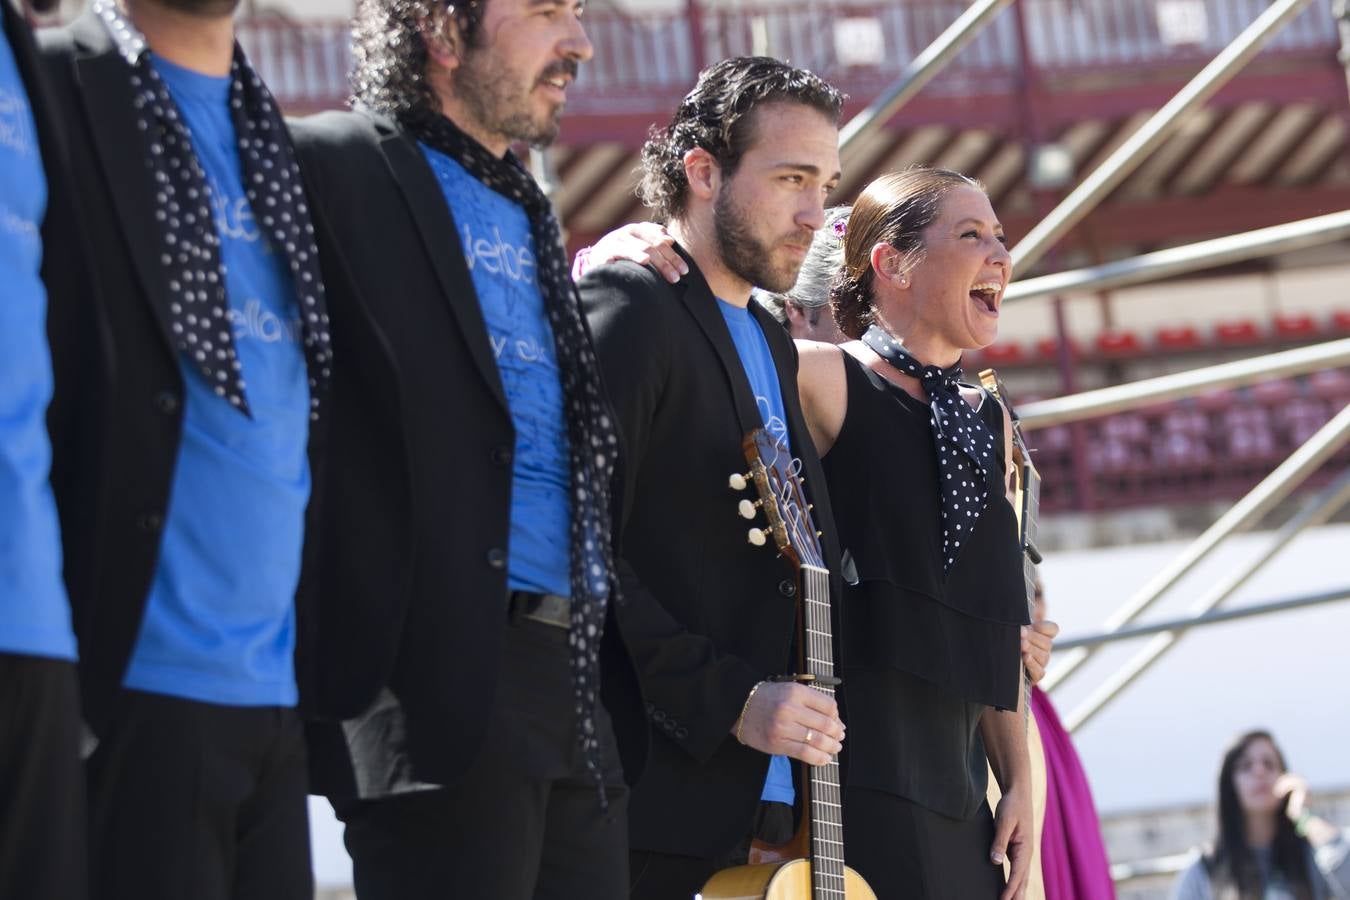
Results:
1073 858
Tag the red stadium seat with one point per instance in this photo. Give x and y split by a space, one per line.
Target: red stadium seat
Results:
1271 393
1007 354
1295 326
1183 441
1177 337
1340 320
1119 343
1299 419
1330 384
1120 445
1246 433
1048 348
1238 333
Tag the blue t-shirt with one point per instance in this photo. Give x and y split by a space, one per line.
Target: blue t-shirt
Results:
34 612
219 625
500 253
753 349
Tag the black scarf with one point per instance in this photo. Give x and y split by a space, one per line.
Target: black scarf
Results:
593 442
965 445
190 245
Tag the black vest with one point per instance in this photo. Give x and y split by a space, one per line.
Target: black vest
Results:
923 654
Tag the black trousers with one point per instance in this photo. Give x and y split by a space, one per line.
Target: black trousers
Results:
908 852
667 876
524 822
193 800
42 848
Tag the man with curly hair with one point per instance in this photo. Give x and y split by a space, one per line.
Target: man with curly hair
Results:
739 177
470 688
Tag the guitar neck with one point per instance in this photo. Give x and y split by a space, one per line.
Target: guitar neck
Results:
827 824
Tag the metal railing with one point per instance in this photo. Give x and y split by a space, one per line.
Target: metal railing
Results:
1152 134
643 61
1211 618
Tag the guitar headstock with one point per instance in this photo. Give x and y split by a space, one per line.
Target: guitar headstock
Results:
778 482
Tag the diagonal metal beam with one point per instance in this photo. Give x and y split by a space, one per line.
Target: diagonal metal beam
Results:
1190 258
1210 618
1245 514
1315 512
920 71
1118 166
1124 397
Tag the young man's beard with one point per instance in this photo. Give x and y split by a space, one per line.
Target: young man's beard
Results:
747 257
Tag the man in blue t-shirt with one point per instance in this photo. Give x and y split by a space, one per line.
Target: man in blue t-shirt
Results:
194 520
41 791
740 176
488 708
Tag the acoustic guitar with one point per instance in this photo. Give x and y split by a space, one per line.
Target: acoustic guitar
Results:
1026 483
811 865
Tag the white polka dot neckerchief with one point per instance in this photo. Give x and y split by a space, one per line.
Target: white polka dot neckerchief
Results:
189 242
593 441
965 445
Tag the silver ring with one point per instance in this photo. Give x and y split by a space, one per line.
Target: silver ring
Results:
809 735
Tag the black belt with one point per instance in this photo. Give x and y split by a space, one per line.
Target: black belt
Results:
549 609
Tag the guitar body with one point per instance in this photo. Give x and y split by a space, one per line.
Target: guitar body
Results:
777 881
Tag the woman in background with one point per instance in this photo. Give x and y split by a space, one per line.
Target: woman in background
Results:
1269 846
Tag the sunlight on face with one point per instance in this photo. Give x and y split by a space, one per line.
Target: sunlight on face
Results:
957 288
767 212
513 81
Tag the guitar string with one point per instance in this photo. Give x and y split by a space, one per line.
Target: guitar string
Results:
827 864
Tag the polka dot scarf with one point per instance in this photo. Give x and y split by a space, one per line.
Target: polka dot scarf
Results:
965 445
189 243
592 439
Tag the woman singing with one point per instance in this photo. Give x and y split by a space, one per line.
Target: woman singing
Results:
914 461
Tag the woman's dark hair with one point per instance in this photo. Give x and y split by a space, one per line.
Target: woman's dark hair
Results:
894 209
718 115
390 54
1233 870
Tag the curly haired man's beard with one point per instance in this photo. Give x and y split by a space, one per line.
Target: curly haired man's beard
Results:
495 98
746 256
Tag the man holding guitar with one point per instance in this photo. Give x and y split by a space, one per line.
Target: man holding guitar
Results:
740 176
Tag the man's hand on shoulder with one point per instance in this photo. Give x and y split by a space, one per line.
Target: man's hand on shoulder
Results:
645 243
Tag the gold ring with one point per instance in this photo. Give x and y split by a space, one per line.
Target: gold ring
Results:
809 735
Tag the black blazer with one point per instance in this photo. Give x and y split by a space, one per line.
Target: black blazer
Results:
707 614
117 413
431 630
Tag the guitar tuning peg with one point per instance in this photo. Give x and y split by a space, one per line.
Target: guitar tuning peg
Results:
757 537
747 508
738 482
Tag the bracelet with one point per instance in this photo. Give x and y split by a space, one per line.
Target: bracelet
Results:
740 722
1301 823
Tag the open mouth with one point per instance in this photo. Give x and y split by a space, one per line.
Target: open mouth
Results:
987 294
